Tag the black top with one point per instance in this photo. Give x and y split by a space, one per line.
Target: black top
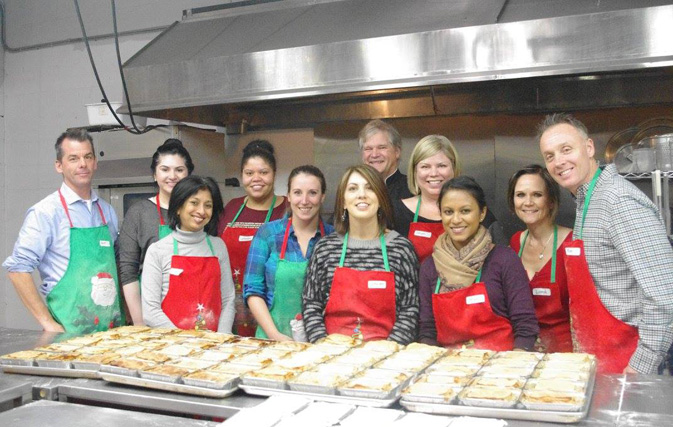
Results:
404 217
397 187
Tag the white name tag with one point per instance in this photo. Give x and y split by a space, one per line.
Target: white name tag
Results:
376 284
245 238
475 299
542 292
421 233
573 252
175 271
104 243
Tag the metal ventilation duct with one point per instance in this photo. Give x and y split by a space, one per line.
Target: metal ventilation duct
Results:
223 67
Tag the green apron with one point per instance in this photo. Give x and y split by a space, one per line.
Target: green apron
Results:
86 299
289 282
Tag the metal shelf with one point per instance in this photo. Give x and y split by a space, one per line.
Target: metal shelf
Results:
660 192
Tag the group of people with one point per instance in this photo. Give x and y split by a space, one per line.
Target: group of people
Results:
408 258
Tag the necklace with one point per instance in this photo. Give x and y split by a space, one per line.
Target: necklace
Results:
545 246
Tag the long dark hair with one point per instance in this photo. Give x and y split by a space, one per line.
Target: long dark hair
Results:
185 189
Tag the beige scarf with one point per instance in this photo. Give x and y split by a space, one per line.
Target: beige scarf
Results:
458 268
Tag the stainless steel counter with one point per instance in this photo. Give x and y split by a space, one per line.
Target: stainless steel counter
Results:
47 413
618 400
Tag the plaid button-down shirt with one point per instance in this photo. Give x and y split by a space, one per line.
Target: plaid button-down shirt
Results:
631 262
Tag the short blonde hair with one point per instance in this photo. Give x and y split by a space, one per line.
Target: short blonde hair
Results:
428 146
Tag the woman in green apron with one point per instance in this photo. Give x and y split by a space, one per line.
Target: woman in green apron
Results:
146 220
279 253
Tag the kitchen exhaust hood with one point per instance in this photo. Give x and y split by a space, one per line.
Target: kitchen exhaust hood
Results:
290 63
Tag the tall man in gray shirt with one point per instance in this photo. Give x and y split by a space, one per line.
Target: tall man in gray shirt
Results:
620 265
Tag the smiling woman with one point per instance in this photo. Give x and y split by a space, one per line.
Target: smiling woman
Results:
244 215
277 260
472 290
145 222
186 278
363 278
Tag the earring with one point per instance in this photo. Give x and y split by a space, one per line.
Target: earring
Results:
344 215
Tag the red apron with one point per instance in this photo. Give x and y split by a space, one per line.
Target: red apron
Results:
238 240
424 234
595 329
361 301
193 300
465 315
552 315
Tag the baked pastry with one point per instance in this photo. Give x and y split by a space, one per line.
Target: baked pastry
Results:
570 357
444 391
251 342
167 370
216 377
213 356
272 373
331 349
83 340
102 359
552 397
63 357
191 364
130 350
231 368
556 385
291 345
176 350
577 376
133 364
453 370
358 356
382 346
498 382
491 393
302 361
473 352
520 355
24 355
152 356
340 339
130 329
506 371
59 347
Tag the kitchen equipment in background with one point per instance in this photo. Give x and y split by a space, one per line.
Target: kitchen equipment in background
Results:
663 147
624 159
653 127
617 141
99 114
643 156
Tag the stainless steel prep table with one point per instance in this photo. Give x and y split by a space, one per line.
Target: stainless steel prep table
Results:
47 413
618 400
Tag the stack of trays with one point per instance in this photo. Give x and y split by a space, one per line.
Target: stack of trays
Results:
512 380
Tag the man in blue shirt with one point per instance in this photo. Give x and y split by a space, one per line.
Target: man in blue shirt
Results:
70 237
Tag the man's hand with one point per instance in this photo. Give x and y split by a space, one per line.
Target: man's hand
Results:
52 326
629 370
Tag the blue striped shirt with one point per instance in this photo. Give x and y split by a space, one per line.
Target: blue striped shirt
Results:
263 256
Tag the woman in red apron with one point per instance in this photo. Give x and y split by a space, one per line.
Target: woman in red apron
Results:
472 291
277 260
533 196
433 162
186 278
145 221
362 280
242 217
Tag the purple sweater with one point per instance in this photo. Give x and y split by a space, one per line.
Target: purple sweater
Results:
508 291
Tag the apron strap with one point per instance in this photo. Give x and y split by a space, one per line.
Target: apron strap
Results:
161 218
553 253
245 201
384 252
210 245
587 198
418 207
439 281
287 233
67 212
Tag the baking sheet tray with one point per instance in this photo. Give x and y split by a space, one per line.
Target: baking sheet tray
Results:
51 372
361 401
507 413
161 385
